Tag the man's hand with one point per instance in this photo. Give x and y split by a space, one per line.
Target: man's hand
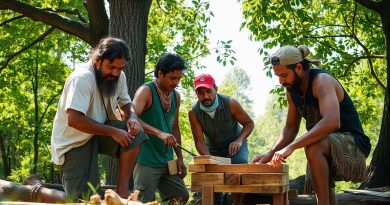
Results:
234 147
181 168
168 139
264 158
133 126
281 155
122 137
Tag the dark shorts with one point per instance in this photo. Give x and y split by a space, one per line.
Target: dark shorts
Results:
348 163
149 179
81 164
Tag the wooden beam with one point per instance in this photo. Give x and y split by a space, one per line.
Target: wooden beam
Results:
264 178
245 168
207 179
196 168
232 178
250 189
208 159
207 195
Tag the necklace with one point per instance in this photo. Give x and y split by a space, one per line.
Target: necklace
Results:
167 99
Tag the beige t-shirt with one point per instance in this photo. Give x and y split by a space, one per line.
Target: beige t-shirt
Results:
81 93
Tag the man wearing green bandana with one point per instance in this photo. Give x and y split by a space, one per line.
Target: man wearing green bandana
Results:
219 124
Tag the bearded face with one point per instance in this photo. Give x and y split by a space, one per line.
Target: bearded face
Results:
295 84
107 84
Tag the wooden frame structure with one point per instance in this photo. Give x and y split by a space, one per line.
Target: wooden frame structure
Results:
211 174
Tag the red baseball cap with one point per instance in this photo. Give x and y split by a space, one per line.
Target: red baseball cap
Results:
204 80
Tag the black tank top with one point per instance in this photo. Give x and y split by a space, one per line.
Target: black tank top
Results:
308 108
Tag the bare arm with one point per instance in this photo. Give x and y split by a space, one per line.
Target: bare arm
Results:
325 90
290 130
197 132
176 132
287 135
243 118
142 101
133 125
83 123
176 129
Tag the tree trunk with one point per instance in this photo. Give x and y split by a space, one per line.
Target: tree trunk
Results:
34 82
128 21
379 168
4 157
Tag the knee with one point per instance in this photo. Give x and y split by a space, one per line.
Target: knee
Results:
312 150
316 149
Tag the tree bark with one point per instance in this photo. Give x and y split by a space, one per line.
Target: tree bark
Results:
128 21
134 31
4 157
379 169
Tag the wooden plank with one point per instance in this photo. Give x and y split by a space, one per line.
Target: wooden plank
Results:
196 168
207 178
172 167
196 188
277 199
264 178
232 178
246 168
207 195
250 189
208 159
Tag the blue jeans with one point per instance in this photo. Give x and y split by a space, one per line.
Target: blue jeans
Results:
241 157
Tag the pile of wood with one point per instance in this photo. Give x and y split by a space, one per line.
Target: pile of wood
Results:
20 194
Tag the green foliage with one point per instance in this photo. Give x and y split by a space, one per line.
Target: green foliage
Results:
335 30
29 87
337 33
236 84
187 141
182 27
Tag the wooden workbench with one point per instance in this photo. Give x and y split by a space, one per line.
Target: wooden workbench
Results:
217 175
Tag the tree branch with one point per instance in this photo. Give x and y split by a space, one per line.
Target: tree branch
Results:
369 4
11 19
69 11
63 23
13 55
48 105
329 36
354 60
374 74
159 5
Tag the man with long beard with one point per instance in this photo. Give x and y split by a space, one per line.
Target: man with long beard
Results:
335 144
90 98
219 124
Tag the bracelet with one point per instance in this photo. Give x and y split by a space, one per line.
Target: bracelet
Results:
34 191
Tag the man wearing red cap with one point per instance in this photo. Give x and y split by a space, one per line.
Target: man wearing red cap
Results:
219 124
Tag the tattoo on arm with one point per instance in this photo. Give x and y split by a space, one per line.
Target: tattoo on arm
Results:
321 92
